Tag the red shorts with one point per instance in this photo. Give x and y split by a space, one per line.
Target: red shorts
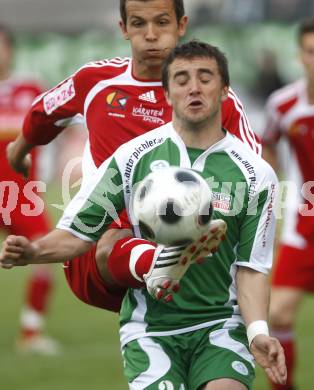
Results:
294 268
86 283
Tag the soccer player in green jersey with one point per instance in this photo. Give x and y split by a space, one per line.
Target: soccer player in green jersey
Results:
209 335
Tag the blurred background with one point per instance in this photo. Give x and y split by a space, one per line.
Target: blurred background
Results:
53 39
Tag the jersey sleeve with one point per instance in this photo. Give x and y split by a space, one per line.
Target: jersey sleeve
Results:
234 120
97 204
63 105
54 110
257 232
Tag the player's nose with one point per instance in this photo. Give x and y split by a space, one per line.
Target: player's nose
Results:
151 33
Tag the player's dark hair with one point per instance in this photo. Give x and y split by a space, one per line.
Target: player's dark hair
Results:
307 26
8 35
178 7
194 49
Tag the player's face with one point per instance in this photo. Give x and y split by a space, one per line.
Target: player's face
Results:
5 54
307 54
195 90
153 31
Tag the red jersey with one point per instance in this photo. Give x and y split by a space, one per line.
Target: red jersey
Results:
291 116
20 205
16 97
115 107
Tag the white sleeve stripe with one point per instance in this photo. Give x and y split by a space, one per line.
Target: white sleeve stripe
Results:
116 63
249 128
251 136
111 64
244 135
246 131
240 108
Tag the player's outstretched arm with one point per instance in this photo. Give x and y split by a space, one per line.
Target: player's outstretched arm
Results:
253 299
56 247
18 155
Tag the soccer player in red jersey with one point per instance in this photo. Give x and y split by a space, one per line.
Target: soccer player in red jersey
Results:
117 100
21 207
290 116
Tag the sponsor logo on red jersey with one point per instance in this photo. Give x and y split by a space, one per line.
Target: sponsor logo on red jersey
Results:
149 115
148 97
59 96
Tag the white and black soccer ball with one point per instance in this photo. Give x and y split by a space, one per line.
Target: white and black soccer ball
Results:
172 206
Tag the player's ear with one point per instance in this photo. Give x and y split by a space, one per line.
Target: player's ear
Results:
168 98
182 26
124 30
225 92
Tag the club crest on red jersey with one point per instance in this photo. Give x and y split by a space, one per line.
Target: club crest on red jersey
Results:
117 99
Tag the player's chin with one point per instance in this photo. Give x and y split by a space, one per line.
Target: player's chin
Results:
196 117
155 60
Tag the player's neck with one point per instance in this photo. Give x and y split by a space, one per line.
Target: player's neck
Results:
141 71
199 137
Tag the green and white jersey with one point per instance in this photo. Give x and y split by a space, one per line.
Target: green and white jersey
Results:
244 188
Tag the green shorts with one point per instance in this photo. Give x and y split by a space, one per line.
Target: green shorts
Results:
188 361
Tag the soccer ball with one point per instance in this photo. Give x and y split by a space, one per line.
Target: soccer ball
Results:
172 206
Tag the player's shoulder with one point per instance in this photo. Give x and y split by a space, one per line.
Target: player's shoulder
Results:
286 97
144 142
110 67
250 163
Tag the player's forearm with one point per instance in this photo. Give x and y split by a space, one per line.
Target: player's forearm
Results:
20 148
253 295
58 246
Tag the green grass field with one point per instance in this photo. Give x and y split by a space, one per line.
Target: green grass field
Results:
91 357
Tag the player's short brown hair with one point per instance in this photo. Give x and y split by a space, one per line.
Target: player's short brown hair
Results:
307 26
195 49
178 7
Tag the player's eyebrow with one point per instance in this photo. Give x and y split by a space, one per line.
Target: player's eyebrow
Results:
180 73
205 70
185 72
162 15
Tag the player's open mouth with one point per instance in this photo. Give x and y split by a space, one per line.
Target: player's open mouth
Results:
195 104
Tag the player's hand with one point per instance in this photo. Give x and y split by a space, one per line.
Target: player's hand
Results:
16 251
269 354
171 263
20 165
